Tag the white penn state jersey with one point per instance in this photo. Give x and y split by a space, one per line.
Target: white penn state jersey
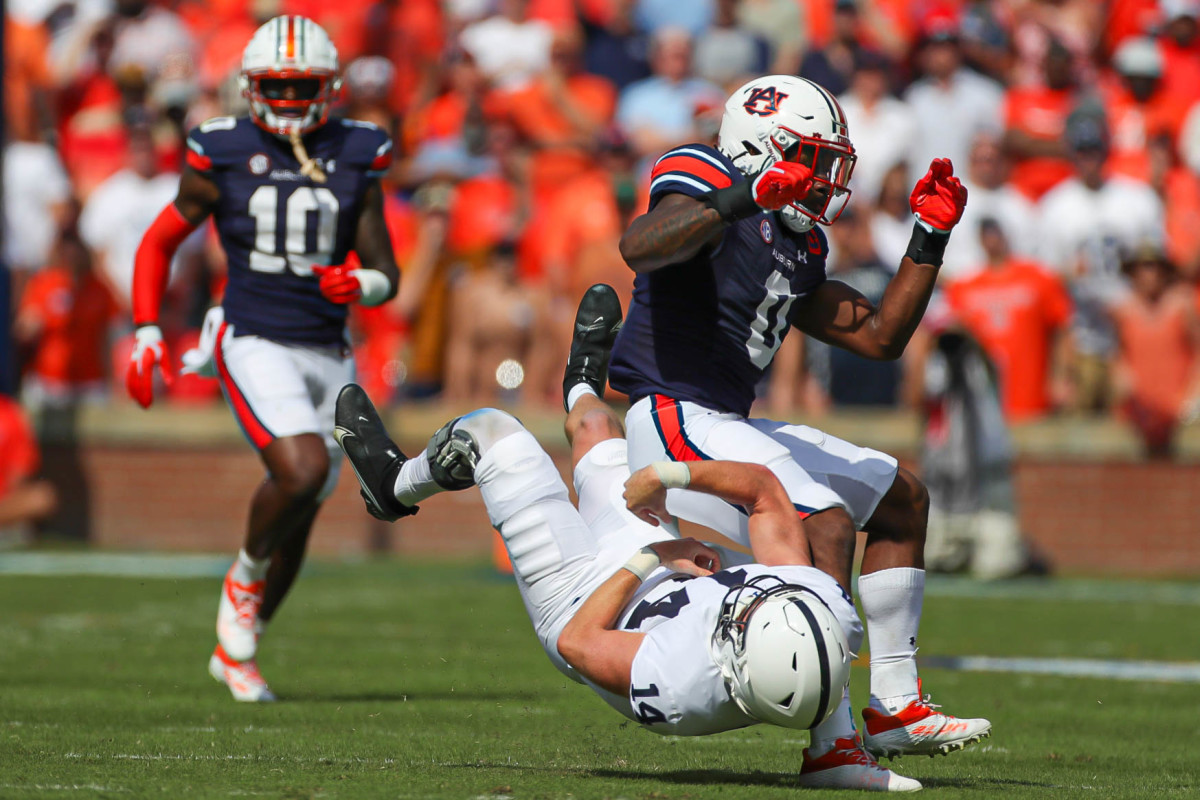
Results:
676 688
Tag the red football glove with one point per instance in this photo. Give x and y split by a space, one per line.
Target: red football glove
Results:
781 183
338 284
939 198
149 350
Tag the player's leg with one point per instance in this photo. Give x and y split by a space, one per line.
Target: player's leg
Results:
555 557
891 504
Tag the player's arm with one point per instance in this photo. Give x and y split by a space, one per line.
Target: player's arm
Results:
376 281
841 316
197 198
777 535
679 226
590 643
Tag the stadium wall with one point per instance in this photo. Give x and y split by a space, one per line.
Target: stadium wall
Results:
176 480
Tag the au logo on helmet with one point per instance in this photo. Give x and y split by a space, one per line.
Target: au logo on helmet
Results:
764 101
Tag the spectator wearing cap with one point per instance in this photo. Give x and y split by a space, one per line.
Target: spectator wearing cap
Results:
951 103
1138 107
727 54
1179 42
881 125
1157 373
832 66
1083 224
369 82
1019 312
659 112
614 47
991 197
1034 119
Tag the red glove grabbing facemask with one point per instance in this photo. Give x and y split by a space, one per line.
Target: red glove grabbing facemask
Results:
780 184
338 284
939 198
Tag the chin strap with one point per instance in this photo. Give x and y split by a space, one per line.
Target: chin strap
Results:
307 165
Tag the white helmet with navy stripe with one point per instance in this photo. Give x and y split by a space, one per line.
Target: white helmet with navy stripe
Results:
290 75
782 652
785 118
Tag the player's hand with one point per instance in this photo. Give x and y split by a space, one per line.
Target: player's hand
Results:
150 349
646 496
939 198
689 556
338 284
781 183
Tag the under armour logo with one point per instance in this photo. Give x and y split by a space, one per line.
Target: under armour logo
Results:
912 641
764 101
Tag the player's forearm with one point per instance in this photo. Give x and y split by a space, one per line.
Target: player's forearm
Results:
901 309
746 485
669 236
589 642
373 243
152 263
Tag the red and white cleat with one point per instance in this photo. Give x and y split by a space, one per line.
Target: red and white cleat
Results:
849 766
238 625
919 729
244 680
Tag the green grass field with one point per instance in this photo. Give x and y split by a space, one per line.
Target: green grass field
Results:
415 681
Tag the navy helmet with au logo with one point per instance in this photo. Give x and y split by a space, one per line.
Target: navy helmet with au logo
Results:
785 118
783 653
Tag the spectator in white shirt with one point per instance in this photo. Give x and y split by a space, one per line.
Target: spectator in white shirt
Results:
882 127
951 103
120 210
1084 225
989 196
509 48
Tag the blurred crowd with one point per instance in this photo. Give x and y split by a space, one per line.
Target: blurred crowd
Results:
526 130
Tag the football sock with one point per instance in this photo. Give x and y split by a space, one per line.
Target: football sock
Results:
415 482
578 391
249 569
839 725
891 602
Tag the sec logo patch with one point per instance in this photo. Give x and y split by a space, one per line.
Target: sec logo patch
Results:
259 163
765 230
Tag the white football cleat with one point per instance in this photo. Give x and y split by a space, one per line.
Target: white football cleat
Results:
919 729
238 625
849 766
244 680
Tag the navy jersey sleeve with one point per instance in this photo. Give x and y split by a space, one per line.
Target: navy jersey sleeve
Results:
367 147
692 170
214 144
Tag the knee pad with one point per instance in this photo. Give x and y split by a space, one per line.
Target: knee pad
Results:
514 473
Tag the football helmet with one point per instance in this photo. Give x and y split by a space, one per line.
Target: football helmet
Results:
782 652
785 118
290 75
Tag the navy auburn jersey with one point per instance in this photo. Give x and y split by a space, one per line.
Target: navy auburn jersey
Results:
705 330
276 223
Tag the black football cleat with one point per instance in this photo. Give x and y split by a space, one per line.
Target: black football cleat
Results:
597 323
375 458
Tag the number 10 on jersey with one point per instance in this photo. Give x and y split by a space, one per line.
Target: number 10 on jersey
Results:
302 207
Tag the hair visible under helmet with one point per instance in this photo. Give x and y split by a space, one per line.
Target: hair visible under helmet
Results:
783 653
785 118
291 55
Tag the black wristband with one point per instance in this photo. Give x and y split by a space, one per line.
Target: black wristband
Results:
733 202
927 247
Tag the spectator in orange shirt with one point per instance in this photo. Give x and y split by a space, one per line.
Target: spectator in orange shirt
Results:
1018 311
63 323
1157 375
1139 108
1035 119
561 113
1179 42
23 498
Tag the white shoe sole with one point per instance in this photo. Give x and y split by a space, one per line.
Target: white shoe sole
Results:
886 750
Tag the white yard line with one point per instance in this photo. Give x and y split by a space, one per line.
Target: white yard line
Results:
1111 669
